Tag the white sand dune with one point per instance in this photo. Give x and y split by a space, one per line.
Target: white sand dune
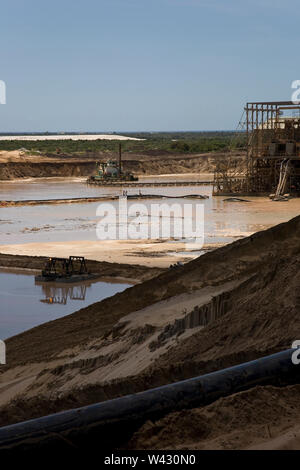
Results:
68 137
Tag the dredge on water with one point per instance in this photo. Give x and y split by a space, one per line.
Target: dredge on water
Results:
65 270
111 174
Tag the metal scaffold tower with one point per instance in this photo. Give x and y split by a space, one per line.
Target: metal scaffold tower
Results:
272 149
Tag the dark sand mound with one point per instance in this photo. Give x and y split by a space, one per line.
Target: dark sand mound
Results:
261 316
243 420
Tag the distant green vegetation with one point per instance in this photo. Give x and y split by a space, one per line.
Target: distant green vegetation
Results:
169 142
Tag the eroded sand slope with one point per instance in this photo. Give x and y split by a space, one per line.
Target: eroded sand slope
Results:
236 303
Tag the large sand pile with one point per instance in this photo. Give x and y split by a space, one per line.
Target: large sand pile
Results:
236 303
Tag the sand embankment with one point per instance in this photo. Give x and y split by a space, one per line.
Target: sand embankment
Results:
262 418
149 253
18 164
231 305
130 272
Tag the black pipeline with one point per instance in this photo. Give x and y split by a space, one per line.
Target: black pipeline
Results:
108 424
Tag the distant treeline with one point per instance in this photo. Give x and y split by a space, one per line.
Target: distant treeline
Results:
171 142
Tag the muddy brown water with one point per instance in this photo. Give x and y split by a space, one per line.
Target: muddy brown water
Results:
224 221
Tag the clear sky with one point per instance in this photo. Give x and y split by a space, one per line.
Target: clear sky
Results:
133 65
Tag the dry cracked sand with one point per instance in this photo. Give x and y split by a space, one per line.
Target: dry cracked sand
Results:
230 305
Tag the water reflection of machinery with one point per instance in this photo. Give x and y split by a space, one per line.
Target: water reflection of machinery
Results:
55 294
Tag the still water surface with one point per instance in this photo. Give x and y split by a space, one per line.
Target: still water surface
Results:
23 304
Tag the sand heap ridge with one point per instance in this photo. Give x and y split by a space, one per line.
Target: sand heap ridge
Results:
221 309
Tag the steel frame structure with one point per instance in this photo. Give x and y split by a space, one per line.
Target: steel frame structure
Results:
56 267
271 138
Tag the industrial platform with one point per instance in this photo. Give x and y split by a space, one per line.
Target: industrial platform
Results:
65 270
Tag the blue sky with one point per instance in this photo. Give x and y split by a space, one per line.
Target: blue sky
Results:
133 65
